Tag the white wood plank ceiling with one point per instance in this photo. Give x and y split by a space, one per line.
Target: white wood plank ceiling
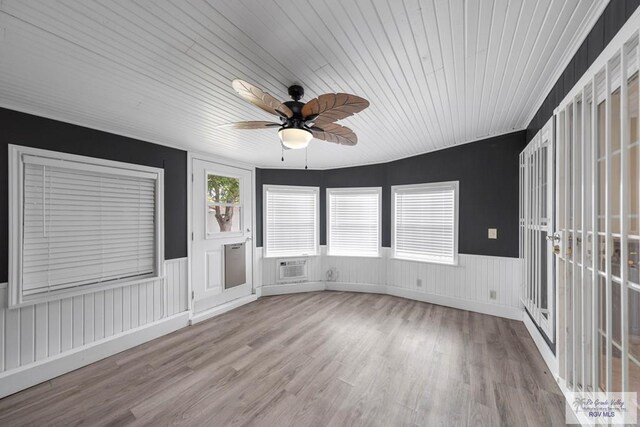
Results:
437 73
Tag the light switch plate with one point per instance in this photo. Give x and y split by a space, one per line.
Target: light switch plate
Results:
493 233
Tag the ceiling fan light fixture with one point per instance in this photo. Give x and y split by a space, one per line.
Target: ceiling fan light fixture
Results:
298 120
295 138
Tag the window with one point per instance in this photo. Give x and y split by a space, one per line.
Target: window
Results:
223 204
77 223
353 219
425 222
291 220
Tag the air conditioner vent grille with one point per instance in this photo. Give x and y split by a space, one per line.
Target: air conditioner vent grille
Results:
293 270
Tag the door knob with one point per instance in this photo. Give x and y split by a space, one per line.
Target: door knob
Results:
553 237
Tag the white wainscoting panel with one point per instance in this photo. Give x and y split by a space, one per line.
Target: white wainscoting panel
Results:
466 285
38 332
176 276
365 270
472 279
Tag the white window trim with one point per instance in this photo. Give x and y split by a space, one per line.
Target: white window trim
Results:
16 181
310 189
354 190
427 186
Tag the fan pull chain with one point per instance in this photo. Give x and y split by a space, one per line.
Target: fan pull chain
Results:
306 153
282 148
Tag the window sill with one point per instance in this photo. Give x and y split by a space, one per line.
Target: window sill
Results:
288 256
71 292
353 256
423 261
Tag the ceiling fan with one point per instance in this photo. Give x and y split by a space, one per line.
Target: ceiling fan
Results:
299 121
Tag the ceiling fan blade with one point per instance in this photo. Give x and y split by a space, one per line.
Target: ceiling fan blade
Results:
331 107
332 132
250 125
261 99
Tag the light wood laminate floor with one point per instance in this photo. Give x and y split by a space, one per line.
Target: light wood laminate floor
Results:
314 359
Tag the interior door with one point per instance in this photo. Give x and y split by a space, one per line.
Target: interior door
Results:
221 241
536 229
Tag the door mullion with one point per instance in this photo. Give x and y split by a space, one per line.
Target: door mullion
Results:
624 212
608 227
536 235
583 237
574 240
527 254
594 238
567 264
521 224
548 201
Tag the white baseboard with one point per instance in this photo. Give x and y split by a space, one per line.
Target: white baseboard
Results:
356 287
514 313
292 288
216 311
507 312
34 373
580 418
549 358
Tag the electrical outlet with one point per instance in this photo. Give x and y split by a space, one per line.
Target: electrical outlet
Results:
419 283
493 294
493 233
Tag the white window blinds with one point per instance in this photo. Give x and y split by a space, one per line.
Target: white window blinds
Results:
425 222
85 224
354 221
291 221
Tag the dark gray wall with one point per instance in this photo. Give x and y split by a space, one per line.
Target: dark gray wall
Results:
33 131
612 19
488 175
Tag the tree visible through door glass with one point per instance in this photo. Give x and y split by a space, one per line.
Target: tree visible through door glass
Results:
223 204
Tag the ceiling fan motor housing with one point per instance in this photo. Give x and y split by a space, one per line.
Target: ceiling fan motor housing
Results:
296 108
296 92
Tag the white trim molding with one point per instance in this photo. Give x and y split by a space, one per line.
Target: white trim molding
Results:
292 288
628 30
223 308
425 189
575 43
354 193
83 280
41 341
292 189
467 286
549 358
29 375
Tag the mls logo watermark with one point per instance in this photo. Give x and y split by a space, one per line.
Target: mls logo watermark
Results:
602 408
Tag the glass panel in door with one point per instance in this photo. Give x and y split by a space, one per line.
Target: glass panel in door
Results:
224 206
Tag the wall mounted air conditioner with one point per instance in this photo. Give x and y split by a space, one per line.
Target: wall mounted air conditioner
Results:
292 270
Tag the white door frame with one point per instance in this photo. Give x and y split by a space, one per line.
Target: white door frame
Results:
191 155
